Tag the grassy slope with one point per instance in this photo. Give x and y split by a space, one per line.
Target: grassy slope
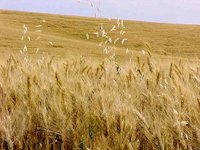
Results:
68 35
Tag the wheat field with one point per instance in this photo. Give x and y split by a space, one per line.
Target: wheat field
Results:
68 35
79 104
89 101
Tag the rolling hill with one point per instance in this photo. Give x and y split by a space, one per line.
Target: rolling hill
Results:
68 35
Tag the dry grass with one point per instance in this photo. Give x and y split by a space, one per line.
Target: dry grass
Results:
126 100
76 104
68 33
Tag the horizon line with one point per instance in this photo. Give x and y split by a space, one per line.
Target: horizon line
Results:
93 17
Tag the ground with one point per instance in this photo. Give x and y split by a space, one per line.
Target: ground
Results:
68 34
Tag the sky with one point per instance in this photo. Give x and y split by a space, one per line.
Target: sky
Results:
167 11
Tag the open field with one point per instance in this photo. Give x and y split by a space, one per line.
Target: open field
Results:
81 104
70 95
68 35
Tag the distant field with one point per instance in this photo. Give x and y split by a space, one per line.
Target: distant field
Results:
68 35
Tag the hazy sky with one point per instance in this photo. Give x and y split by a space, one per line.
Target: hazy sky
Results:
171 11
